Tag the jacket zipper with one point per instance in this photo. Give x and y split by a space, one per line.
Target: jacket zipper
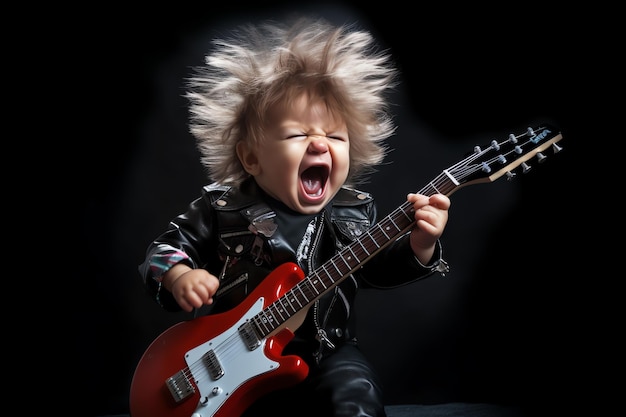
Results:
321 335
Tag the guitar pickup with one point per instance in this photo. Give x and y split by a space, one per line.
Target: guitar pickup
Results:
214 366
246 331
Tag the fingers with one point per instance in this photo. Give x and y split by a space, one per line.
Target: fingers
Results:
438 201
195 289
195 297
431 213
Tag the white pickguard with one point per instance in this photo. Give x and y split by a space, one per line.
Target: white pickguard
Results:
238 362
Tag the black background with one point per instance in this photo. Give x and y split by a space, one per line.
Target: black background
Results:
509 324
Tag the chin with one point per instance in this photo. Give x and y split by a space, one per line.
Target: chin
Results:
310 208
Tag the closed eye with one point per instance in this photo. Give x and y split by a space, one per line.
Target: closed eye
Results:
303 135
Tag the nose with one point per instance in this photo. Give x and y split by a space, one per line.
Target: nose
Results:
318 144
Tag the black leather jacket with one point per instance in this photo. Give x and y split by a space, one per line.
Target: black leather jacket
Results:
241 235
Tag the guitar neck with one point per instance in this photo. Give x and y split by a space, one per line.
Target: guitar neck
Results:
335 270
482 165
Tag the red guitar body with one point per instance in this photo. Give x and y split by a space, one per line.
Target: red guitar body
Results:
181 352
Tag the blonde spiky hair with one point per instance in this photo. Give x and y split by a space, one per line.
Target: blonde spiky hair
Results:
273 63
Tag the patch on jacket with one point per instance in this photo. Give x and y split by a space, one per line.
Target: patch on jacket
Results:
352 211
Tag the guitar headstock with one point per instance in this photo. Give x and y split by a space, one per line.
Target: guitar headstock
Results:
486 164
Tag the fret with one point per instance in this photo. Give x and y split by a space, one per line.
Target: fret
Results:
405 213
278 310
356 258
372 239
337 273
293 309
339 255
262 324
380 243
408 212
363 247
287 306
254 321
255 327
322 280
443 184
281 307
388 227
306 291
315 282
340 273
433 189
383 230
398 228
295 297
291 299
343 266
267 320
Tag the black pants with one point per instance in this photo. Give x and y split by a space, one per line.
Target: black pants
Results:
343 385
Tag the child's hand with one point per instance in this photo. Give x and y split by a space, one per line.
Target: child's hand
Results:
191 288
431 216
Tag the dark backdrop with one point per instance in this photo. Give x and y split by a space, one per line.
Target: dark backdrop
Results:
501 327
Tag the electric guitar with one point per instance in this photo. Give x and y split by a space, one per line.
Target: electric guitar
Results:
218 365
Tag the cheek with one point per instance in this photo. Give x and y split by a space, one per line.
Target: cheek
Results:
280 160
341 158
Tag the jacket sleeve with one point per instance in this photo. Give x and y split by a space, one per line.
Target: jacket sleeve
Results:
189 238
397 265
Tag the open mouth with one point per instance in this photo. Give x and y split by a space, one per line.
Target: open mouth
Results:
313 180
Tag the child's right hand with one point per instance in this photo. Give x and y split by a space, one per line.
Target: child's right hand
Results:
191 288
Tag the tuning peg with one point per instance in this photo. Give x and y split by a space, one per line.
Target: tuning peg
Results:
510 175
530 131
512 138
540 157
525 167
556 148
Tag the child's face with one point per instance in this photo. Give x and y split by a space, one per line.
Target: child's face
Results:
304 157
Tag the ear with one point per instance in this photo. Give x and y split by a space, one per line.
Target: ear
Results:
248 158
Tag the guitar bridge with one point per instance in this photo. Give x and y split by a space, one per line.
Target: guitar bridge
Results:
179 386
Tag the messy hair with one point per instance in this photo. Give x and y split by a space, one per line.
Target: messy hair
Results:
260 66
